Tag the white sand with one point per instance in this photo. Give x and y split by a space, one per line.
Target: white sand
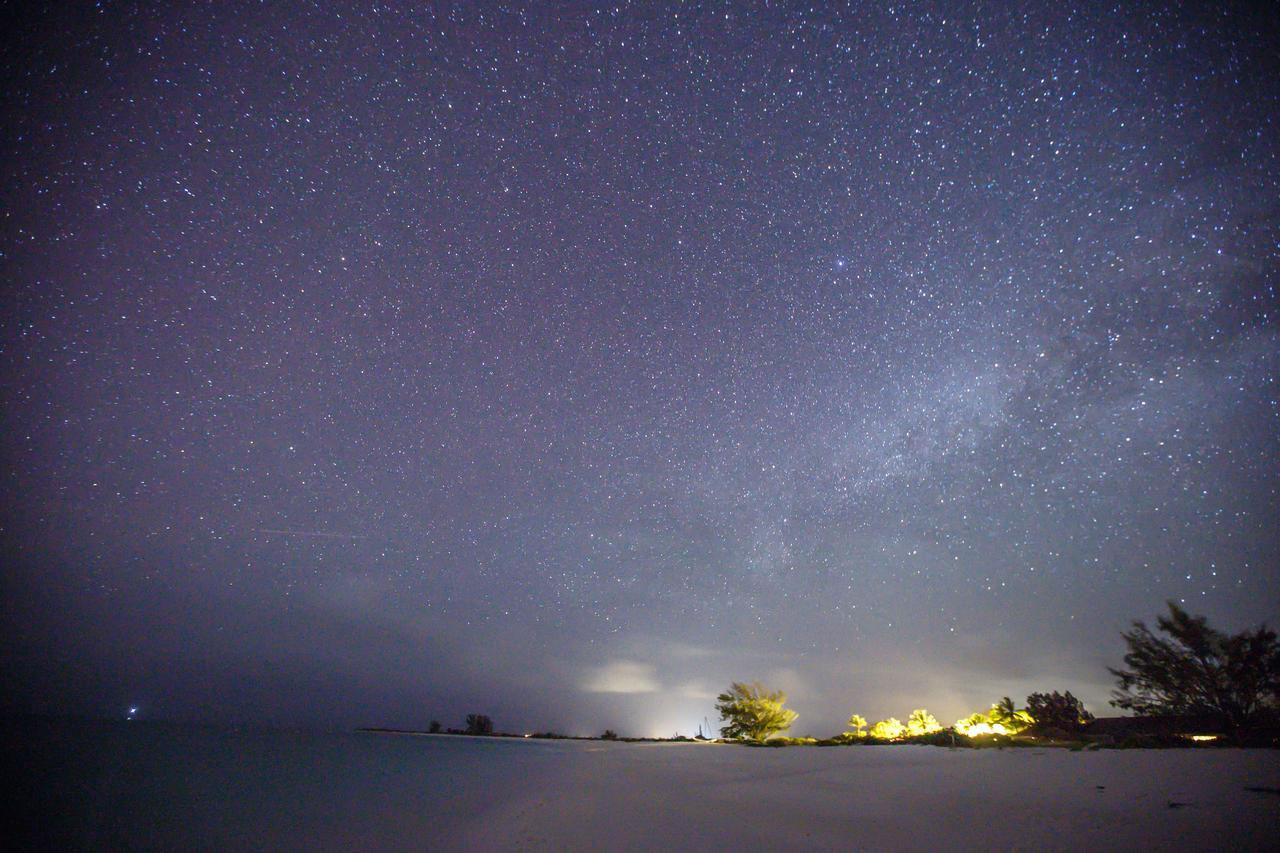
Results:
118 787
892 798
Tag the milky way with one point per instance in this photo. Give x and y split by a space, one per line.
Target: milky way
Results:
374 365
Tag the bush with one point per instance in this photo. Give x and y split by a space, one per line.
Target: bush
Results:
945 737
998 741
890 729
921 722
479 724
849 737
1057 711
785 741
752 712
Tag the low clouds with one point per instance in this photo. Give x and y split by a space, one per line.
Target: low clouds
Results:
621 677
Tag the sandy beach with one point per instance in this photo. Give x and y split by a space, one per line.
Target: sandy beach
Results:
112 786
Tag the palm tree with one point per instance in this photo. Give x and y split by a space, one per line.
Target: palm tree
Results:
1006 713
921 722
858 722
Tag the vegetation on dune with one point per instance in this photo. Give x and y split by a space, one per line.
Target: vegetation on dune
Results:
752 712
890 729
1174 680
1057 712
921 722
1002 718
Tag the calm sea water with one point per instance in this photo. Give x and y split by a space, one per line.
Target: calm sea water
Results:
138 785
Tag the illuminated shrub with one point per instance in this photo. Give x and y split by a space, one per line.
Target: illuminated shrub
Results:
921 722
943 737
1002 718
890 729
752 712
786 741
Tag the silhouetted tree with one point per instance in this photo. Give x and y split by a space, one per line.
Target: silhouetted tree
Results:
1057 711
752 712
479 724
1199 670
609 734
434 728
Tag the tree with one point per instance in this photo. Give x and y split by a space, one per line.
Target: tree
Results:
921 722
890 729
434 728
1199 670
609 734
752 712
479 724
1006 713
1058 711
858 722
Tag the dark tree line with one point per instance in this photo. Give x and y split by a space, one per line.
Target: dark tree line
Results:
1193 669
1196 669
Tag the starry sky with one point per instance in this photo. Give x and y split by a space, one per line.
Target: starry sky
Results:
367 364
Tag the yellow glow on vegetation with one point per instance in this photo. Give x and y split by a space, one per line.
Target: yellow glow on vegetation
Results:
1000 719
1203 737
890 729
921 722
971 729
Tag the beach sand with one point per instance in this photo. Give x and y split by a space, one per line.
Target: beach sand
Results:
149 786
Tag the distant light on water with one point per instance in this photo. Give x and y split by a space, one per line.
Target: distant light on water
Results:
133 712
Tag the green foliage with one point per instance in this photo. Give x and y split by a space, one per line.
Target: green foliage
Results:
921 722
1199 670
890 729
1057 711
752 712
1003 714
1006 713
479 724
786 741
942 737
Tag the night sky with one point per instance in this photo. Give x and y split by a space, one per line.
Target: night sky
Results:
370 365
